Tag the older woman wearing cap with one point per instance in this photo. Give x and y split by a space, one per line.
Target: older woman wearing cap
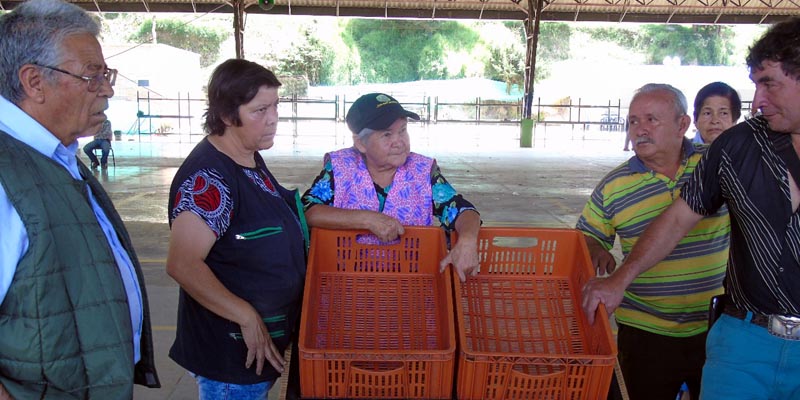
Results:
380 185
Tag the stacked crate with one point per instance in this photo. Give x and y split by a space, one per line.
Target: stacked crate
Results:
522 332
377 319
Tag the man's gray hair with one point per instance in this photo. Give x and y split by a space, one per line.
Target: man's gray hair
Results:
678 99
33 33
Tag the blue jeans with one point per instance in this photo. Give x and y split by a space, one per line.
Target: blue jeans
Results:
744 361
209 389
105 148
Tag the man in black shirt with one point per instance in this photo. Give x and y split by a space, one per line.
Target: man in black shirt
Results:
753 351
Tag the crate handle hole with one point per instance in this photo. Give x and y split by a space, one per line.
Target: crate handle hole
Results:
536 381
515 242
373 379
382 367
368 238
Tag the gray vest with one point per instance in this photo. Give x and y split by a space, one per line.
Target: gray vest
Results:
65 328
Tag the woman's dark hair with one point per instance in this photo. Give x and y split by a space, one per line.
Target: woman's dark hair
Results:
722 90
781 44
233 83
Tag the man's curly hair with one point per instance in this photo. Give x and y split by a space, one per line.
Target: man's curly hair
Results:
781 44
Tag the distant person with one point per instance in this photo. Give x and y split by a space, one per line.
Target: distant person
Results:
379 185
754 347
74 316
238 242
663 315
102 140
717 107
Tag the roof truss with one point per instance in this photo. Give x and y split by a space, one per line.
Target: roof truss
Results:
649 11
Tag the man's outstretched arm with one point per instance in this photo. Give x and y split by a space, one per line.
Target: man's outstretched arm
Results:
657 241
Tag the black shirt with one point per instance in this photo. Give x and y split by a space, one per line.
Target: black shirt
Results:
742 169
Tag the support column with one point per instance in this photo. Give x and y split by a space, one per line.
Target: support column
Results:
238 26
532 41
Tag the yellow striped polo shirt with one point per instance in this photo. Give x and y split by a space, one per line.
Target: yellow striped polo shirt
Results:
671 298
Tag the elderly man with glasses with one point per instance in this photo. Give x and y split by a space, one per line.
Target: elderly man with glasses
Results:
74 319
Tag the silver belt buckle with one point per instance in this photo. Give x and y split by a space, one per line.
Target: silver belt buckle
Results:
784 327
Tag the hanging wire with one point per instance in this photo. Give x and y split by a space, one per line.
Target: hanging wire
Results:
183 24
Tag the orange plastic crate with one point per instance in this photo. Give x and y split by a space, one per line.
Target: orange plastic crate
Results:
522 332
377 319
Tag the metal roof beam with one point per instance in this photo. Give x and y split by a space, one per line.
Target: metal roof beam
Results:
614 11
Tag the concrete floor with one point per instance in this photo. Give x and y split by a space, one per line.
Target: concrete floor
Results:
543 186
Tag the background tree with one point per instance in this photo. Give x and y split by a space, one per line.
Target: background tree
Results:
554 41
202 40
695 45
400 51
506 60
309 57
623 36
507 52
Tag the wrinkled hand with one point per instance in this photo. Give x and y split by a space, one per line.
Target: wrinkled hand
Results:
604 263
601 291
259 345
464 257
4 395
385 227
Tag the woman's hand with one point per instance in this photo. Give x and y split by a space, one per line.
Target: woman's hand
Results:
384 227
189 245
464 254
259 344
381 225
464 257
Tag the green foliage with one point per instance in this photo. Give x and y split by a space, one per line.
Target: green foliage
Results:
507 64
553 42
624 37
507 58
309 58
293 85
345 68
205 41
695 45
399 51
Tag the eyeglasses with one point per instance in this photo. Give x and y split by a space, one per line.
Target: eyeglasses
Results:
109 75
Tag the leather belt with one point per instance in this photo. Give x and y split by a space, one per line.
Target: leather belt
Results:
782 326
758 319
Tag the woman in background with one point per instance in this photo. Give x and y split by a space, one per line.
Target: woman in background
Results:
717 107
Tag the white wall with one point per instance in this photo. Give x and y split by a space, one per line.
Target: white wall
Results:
171 72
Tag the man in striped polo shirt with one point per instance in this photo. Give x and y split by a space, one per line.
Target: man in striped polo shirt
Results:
663 313
754 348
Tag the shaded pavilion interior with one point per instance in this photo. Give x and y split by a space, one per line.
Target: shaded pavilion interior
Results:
531 12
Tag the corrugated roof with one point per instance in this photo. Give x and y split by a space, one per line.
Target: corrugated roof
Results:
665 11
